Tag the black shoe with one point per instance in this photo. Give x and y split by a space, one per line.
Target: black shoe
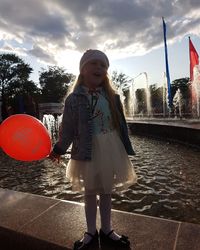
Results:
123 241
79 245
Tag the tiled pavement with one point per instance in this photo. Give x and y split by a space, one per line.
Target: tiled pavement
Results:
33 222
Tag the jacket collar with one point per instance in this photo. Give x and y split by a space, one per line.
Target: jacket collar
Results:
82 90
79 90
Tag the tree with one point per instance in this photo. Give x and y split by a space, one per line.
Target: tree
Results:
54 83
14 82
156 98
120 80
141 101
12 70
122 83
183 85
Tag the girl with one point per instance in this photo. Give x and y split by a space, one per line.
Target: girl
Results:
93 121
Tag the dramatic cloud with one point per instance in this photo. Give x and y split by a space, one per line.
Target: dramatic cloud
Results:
48 28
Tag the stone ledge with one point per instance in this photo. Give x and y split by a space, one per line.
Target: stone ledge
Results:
182 133
35 222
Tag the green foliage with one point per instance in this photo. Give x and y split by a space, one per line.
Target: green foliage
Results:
12 71
119 79
15 84
156 98
183 84
141 100
122 83
54 83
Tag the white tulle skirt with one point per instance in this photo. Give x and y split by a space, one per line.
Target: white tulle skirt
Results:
109 170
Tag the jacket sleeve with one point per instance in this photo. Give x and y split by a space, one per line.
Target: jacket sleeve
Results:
124 129
66 131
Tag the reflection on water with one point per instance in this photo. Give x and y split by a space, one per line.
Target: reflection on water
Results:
168 180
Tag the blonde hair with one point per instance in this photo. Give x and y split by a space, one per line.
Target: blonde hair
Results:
110 91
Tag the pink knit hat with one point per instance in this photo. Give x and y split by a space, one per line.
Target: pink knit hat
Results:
93 54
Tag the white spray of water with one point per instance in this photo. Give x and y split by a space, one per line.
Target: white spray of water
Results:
196 88
148 96
133 100
178 102
52 124
121 93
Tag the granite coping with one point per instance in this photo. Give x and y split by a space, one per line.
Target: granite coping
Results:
183 132
185 123
29 221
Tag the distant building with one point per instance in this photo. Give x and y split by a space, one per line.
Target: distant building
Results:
54 109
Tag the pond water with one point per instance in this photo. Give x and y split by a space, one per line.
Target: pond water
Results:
168 180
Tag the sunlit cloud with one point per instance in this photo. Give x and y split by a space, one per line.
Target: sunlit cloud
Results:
49 30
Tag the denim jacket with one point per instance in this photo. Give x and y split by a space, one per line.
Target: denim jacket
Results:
76 127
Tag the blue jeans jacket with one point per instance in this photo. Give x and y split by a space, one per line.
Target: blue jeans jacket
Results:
76 127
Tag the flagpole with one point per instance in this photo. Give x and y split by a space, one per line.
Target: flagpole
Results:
164 94
167 68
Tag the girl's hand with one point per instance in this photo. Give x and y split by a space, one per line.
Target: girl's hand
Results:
54 157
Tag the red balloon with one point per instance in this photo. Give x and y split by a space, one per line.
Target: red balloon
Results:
24 138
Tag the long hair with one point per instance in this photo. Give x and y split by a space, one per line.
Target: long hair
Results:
110 92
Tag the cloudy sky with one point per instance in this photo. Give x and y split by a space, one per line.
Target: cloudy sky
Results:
57 32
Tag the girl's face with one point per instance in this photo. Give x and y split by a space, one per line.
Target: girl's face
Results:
94 73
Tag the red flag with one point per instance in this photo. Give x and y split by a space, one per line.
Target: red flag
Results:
194 59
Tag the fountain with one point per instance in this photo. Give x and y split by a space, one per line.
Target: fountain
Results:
148 96
196 90
121 94
50 114
178 103
133 99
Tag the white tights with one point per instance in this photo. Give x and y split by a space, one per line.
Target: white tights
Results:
105 214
